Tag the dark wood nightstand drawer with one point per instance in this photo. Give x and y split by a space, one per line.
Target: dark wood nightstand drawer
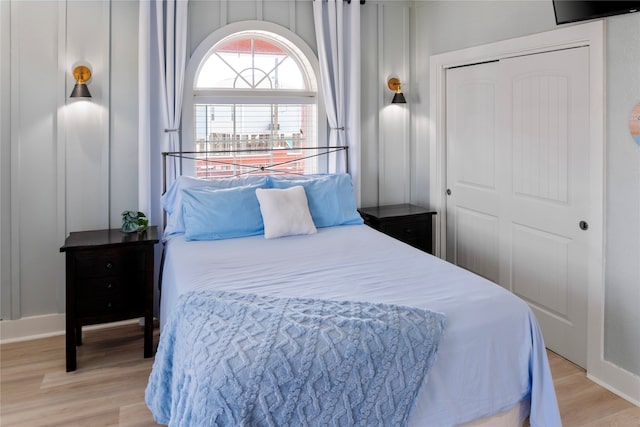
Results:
103 306
412 232
109 262
99 287
408 223
98 297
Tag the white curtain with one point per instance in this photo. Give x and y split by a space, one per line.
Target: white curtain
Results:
162 61
337 25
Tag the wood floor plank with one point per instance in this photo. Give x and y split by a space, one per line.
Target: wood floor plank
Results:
108 387
584 403
627 418
136 415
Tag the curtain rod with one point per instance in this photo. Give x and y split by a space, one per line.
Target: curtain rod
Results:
349 1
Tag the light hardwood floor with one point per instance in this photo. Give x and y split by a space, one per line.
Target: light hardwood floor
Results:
108 387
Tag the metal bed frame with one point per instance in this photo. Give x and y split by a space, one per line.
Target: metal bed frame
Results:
216 157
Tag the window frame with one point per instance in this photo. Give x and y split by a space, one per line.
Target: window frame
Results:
240 96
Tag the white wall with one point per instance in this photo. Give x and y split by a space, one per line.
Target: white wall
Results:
387 157
123 111
67 165
35 94
5 160
622 276
206 16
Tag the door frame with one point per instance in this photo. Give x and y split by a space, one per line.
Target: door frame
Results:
589 34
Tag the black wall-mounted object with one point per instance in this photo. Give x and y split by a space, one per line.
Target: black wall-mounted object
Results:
574 10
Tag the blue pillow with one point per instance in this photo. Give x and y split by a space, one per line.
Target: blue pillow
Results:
221 214
331 199
172 199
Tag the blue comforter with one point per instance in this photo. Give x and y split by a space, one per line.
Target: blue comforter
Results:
228 358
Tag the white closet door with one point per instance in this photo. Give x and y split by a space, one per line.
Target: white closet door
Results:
546 130
540 193
472 159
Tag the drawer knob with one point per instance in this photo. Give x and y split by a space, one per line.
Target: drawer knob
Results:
108 305
408 230
109 285
108 265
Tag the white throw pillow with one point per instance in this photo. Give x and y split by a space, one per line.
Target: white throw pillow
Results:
285 212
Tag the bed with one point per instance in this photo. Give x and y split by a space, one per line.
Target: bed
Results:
489 365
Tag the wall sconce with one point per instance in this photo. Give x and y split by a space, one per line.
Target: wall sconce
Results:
82 74
394 85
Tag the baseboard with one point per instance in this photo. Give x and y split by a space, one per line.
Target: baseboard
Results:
614 390
49 325
33 327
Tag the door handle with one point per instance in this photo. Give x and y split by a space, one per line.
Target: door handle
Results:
448 191
584 225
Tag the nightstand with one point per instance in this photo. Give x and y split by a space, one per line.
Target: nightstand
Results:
109 278
408 223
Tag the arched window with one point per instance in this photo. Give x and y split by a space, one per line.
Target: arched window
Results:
252 90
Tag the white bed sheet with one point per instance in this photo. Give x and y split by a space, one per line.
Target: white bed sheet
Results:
484 359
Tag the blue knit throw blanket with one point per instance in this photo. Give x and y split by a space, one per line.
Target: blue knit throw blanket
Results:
232 359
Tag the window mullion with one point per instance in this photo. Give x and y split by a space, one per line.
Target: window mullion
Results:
253 63
271 70
238 74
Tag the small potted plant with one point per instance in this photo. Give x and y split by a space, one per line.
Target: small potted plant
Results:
133 221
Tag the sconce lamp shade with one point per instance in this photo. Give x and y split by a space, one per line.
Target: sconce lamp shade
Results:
394 85
80 90
82 74
398 98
